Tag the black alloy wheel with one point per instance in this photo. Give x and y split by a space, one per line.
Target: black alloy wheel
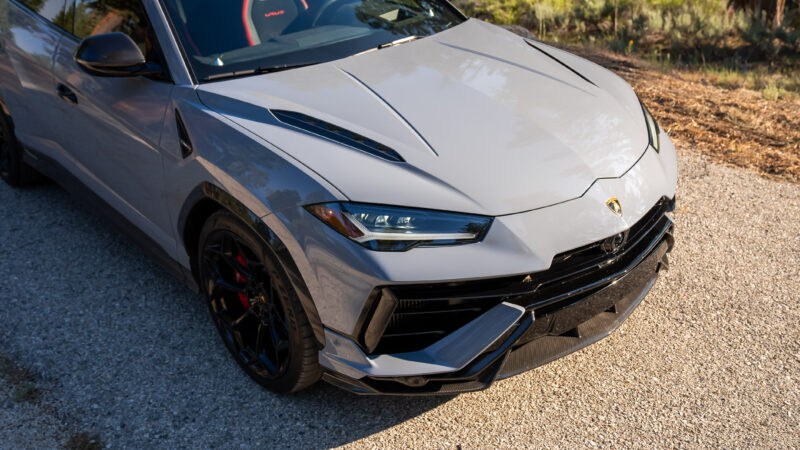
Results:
254 307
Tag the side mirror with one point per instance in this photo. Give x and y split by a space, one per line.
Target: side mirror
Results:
113 55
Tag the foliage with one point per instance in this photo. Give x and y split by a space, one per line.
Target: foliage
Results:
692 31
773 84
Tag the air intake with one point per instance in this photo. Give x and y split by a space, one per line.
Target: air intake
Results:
183 136
337 134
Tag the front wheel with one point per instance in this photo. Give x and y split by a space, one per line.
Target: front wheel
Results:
255 308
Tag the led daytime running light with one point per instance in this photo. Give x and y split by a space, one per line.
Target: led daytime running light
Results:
394 228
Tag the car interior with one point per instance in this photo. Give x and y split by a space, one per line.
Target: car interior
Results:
278 26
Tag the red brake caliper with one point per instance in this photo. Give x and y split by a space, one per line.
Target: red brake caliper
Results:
242 280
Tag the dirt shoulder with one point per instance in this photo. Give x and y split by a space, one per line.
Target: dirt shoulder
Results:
736 127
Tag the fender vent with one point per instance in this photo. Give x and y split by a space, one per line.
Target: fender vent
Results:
337 134
183 137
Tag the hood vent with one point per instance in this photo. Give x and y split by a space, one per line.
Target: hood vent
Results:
336 134
560 62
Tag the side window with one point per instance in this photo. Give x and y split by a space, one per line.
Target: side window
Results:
55 11
105 16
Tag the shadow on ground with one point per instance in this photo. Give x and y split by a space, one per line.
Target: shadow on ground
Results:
128 352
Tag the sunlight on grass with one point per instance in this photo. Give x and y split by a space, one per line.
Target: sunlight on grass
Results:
773 92
774 82
773 85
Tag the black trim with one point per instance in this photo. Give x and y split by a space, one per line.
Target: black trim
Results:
96 204
576 326
384 309
581 323
184 55
478 375
427 312
560 62
655 141
4 110
337 134
208 191
456 11
184 141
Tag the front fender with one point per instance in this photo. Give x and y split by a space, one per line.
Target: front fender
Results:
244 174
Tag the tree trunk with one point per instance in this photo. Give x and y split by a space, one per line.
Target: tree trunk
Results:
616 14
777 18
773 8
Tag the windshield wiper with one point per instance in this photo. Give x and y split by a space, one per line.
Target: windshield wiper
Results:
260 70
392 44
256 71
399 41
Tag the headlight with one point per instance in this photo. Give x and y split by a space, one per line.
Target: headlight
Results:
395 229
652 129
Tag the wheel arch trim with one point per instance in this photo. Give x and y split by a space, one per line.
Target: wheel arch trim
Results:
188 217
4 109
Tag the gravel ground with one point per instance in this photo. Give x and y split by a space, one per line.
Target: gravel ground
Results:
108 345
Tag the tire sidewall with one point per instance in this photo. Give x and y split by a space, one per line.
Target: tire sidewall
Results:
226 222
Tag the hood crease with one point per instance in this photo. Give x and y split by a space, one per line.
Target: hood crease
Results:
390 108
520 66
486 124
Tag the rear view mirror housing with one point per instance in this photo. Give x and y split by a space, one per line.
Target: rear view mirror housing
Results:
113 55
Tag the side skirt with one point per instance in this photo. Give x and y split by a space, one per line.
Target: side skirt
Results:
97 205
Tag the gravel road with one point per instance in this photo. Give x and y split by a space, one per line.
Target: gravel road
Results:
96 342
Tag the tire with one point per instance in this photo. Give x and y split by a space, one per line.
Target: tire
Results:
255 307
13 169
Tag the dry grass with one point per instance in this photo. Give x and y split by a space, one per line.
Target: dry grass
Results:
735 126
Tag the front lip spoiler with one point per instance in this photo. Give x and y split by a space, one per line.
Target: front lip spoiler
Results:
450 354
598 314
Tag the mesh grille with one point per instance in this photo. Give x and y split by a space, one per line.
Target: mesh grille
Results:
426 313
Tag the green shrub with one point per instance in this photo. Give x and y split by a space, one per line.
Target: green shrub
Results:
691 32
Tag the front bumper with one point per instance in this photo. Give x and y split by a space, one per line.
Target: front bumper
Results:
582 300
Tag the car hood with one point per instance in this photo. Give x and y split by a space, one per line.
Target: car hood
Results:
486 121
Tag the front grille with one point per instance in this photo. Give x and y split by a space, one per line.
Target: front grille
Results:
425 313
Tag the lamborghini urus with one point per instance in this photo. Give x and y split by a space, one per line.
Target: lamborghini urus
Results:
383 194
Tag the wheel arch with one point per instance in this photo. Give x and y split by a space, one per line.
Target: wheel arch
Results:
205 200
4 110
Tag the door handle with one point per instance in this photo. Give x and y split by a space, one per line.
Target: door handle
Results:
66 94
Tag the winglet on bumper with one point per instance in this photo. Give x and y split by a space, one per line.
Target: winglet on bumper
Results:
450 354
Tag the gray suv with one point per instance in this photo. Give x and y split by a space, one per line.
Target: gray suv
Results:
381 193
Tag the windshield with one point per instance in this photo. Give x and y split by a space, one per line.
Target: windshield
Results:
224 38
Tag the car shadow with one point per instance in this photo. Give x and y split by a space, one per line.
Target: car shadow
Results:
133 355
321 416
356 417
